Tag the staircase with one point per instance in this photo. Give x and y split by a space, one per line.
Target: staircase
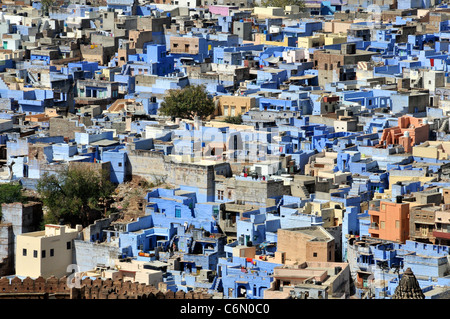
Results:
304 193
444 126
216 283
279 204
32 79
354 191
3 85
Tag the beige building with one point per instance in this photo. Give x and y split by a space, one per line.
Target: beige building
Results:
423 176
331 212
436 150
47 252
132 270
268 11
320 164
337 26
316 280
188 45
306 244
233 105
321 39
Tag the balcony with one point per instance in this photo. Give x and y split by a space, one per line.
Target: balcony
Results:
374 228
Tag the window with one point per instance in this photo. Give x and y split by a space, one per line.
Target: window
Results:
52 252
314 254
69 245
24 252
397 224
35 253
177 212
120 164
220 195
383 207
382 225
43 254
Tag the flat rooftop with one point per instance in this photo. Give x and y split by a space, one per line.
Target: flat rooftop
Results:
316 233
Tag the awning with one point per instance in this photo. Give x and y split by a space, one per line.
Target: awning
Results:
273 59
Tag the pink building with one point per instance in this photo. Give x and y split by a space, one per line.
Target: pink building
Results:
222 10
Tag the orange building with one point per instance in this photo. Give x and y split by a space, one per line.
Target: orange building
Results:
390 222
409 132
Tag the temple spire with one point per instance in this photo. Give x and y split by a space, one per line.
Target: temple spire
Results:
408 287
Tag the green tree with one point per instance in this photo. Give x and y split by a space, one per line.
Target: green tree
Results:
74 195
234 119
283 3
187 103
11 193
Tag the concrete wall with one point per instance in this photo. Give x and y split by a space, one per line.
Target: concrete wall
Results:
6 250
24 218
89 254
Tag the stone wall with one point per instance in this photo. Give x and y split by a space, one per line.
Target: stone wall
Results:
64 127
89 289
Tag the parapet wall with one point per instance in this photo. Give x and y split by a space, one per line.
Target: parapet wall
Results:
89 289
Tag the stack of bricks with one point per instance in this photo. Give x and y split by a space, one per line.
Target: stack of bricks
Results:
88 289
